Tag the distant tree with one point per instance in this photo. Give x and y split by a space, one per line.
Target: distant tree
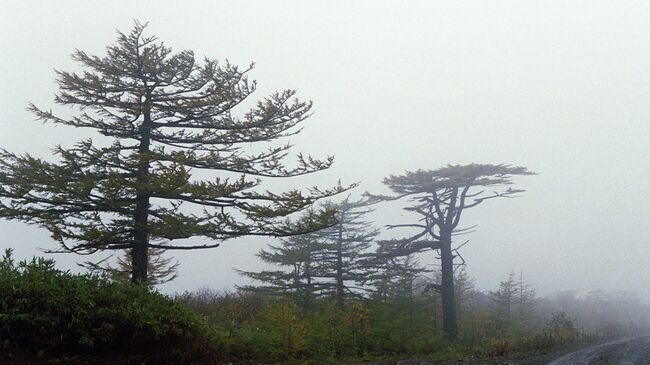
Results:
608 314
434 292
525 298
505 298
345 245
392 277
301 255
165 114
514 300
440 197
396 289
465 291
327 262
562 326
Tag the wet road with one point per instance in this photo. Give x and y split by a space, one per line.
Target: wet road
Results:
629 351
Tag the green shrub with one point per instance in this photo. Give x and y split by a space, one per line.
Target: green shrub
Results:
54 313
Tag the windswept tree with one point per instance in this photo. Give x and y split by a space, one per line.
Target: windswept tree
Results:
164 114
440 197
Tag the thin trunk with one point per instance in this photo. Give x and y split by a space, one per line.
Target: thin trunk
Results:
339 268
435 310
309 289
449 324
411 305
459 305
521 295
139 253
294 291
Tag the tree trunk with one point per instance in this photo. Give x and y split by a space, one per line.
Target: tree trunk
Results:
459 304
140 251
435 309
449 324
308 290
339 268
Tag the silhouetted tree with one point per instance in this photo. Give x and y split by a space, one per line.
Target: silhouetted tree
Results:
525 298
344 246
390 276
440 197
327 262
301 255
166 114
465 291
504 298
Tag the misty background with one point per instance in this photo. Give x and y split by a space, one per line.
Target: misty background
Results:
561 87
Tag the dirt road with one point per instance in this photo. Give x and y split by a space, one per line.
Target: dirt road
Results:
628 351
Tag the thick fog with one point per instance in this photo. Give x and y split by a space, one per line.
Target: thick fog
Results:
561 87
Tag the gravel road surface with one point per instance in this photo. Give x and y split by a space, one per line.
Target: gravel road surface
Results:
628 351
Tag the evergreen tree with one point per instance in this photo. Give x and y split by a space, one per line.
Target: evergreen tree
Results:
300 255
326 262
465 292
505 298
513 302
344 246
392 277
525 298
164 114
433 290
440 197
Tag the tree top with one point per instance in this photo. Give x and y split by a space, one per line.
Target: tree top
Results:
453 176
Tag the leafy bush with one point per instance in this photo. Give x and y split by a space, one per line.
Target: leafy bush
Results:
52 313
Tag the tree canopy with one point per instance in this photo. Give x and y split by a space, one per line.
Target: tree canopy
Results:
165 114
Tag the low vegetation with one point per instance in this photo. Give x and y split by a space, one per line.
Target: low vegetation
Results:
46 313
53 316
277 329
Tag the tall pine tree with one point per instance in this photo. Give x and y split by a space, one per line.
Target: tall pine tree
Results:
344 247
164 114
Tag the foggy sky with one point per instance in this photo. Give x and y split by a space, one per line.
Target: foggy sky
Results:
561 87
